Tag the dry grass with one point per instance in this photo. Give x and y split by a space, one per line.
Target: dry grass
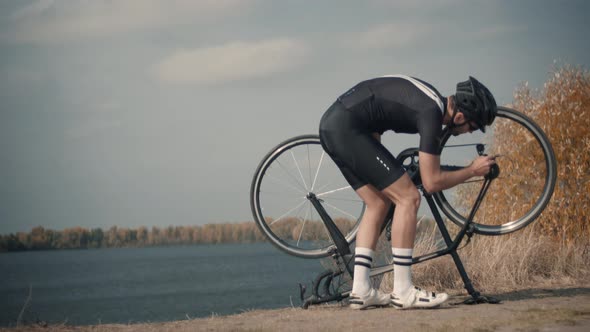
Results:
502 263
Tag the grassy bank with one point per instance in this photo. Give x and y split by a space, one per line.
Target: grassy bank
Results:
501 263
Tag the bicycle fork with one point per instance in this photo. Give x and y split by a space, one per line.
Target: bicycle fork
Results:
342 247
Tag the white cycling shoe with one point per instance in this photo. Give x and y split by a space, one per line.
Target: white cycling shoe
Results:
374 298
418 298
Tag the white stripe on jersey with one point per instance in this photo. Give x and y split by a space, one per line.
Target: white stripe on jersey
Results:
424 89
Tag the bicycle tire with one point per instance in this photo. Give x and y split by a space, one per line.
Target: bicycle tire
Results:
528 173
278 195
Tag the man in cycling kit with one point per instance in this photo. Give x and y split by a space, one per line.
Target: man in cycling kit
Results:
350 132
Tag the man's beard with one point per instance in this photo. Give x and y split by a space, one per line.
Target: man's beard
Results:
454 131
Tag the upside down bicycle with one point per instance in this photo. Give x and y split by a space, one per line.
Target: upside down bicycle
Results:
303 205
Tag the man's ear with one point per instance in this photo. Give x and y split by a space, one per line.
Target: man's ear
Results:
459 118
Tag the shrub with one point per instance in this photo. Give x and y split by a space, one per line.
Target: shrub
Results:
562 109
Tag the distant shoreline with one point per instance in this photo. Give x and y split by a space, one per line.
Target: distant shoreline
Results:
40 238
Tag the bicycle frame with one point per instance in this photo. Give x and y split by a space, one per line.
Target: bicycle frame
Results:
344 257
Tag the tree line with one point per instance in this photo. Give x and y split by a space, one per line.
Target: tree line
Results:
41 238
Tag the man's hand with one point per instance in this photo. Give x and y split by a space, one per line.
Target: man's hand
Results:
481 165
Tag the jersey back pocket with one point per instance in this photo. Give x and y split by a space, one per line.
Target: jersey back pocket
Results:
356 95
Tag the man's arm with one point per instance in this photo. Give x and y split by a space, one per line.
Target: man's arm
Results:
434 179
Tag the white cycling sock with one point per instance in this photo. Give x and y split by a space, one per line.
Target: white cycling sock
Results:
402 273
363 259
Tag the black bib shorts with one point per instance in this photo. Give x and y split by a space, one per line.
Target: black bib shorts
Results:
361 158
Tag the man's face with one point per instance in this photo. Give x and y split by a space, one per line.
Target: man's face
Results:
462 129
463 125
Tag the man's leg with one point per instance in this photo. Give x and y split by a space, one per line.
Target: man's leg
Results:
376 207
407 201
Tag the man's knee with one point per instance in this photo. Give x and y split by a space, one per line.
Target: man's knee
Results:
411 199
404 193
374 200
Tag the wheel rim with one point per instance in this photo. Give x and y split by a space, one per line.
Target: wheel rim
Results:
280 206
526 182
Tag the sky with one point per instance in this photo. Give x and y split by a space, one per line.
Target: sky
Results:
157 112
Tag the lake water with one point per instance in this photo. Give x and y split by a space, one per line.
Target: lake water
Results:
130 285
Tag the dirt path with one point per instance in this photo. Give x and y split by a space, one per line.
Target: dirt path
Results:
562 309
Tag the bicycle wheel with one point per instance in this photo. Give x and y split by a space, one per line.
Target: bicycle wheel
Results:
525 184
279 203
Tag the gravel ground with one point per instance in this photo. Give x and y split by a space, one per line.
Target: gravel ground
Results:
559 309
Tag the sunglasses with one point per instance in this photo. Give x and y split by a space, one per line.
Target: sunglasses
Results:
472 125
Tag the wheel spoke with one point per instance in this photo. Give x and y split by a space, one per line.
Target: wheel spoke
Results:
340 210
293 177
303 226
276 194
317 171
299 169
346 199
278 181
333 191
309 168
288 212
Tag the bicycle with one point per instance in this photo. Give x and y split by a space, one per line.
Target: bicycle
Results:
296 183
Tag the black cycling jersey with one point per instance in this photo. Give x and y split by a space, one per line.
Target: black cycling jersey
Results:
400 103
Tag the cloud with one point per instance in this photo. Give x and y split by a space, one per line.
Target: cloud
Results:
33 10
17 81
92 127
48 21
20 75
423 4
392 35
403 34
497 30
232 61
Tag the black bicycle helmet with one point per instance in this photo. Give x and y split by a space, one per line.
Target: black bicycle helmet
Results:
476 102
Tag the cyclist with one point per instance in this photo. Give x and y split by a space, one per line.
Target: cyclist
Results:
350 132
